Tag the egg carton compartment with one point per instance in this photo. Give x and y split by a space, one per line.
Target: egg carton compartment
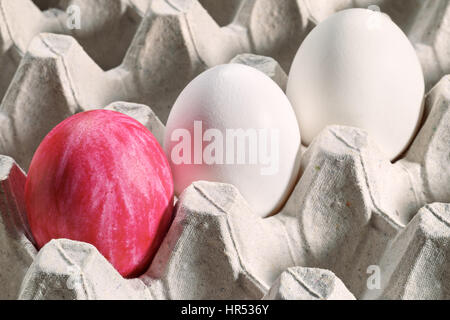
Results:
105 31
352 209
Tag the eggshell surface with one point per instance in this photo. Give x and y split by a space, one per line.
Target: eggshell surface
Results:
357 68
235 99
101 177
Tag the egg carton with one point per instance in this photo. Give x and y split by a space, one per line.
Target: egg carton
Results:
351 212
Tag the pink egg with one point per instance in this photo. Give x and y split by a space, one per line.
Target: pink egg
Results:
101 177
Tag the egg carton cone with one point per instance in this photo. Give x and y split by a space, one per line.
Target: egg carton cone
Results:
299 283
17 251
418 258
143 114
69 270
375 226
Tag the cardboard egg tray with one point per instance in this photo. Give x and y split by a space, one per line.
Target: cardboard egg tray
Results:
355 226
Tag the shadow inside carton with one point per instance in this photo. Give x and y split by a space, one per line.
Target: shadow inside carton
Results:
105 39
223 12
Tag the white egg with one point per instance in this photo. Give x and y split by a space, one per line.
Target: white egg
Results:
357 68
233 124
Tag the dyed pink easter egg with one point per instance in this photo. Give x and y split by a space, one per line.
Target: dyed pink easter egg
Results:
101 177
